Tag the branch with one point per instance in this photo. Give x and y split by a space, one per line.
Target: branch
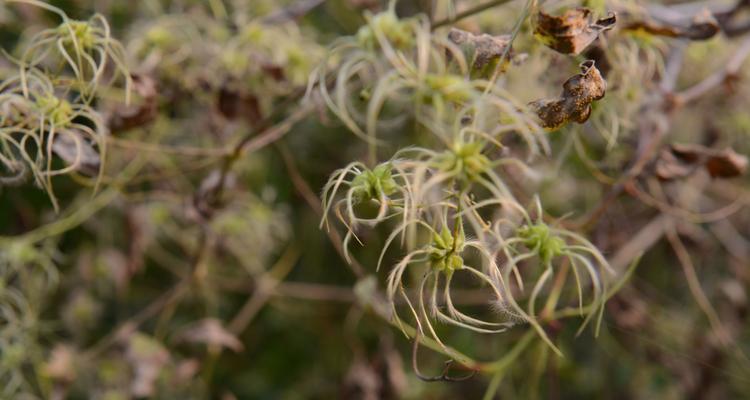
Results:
731 70
639 243
314 202
294 11
468 13
264 289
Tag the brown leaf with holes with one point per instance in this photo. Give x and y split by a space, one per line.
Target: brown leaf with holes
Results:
574 104
482 52
571 32
681 160
702 26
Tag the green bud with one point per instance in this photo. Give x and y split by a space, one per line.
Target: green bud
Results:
445 249
539 237
465 159
397 32
58 111
453 88
371 184
81 30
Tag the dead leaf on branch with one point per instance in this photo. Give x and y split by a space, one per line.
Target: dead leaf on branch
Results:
12 172
669 167
573 31
482 52
232 104
734 21
125 117
147 357
212 333
74 149
60 366
702 26
681 160
574 104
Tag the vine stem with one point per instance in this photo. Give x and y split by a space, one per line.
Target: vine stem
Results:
252 142
500 366
81 214
556 291
516 29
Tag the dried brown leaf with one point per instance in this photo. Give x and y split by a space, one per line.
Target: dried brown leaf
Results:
212 333
185 372
124 117
681 160
232 105
702 26
571 32
734 21
668 167
574 104
74 149
147 357
362 381
482 52
61 365
12 172
726 164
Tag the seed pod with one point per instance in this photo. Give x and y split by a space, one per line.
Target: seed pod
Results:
482 52
571 32
574 104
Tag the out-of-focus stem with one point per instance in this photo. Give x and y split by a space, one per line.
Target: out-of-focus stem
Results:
468 13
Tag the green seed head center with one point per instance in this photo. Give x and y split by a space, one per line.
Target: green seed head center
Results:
80 30
445 250
539 238
58 111
374 184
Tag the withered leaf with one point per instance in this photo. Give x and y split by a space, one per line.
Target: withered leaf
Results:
482 52
74 149
211 333
147 358
574 104
726 164
668 167
571 32
12 173
703 26
185 372
734 21
61 364
681 160
233 104
124 117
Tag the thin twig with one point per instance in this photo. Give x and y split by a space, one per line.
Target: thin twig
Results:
730 71
252 142
264 289
640 242
694 284
469 13
294 11
314 202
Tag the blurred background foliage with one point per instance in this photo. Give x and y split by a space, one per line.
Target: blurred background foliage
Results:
195 272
